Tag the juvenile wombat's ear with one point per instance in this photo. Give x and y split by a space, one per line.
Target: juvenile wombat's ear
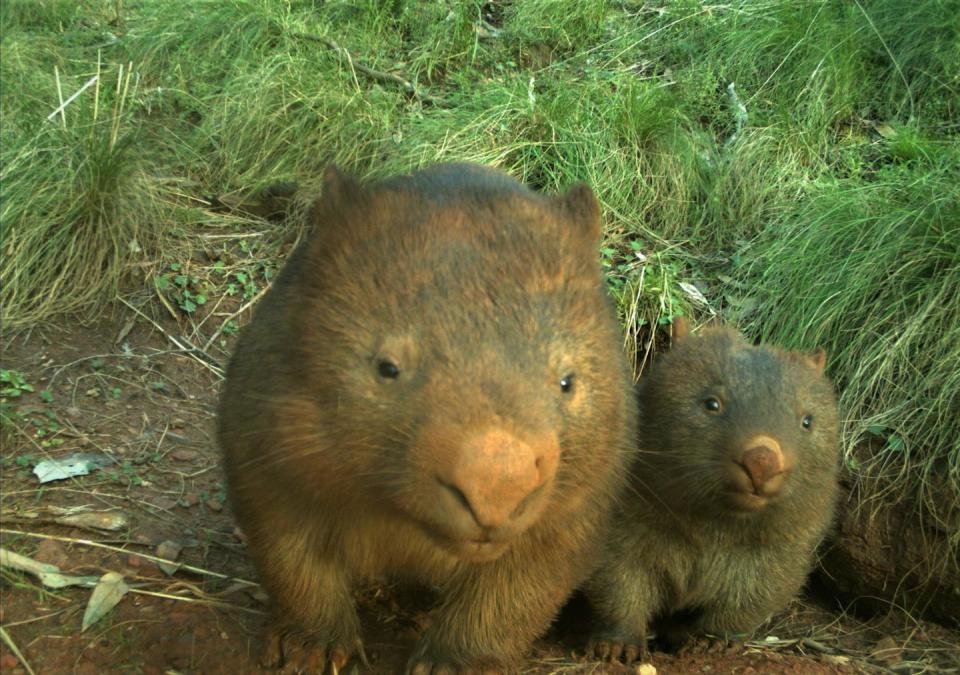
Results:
818 359
680 328
584 210
337 185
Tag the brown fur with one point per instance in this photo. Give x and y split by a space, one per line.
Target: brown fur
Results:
483 295
700 549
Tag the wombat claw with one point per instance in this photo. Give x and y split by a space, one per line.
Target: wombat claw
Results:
299 652
614 649
421 667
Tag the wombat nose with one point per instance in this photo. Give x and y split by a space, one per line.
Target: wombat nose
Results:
764 464
496 472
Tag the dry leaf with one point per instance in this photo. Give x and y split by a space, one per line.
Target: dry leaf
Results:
76 464
108 592
49 575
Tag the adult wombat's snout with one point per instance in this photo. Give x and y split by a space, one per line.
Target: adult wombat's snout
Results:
495 484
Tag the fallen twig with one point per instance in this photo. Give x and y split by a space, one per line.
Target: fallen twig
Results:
7 640
183 344
373 73
82 517
247 305
64 104
197 601
117 549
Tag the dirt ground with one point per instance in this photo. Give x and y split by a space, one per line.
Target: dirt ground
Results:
132 387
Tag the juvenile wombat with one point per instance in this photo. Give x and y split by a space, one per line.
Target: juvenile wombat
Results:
735 485
433 389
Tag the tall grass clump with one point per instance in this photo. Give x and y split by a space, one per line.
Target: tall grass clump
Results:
560 25
919 43
25 14
290 118
78 207
871 271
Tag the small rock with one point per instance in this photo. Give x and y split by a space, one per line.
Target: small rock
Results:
645 669
214 505
51 552
887 650
238 533
74 413
165 503
184 455
169 550
835 659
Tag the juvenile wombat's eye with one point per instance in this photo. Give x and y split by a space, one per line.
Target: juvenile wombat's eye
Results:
388 369
712 404
807 422
566 383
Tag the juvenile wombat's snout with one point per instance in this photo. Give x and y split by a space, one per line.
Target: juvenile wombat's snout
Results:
764 465
497 477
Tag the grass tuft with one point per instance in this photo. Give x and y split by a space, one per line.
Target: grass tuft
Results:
872 272
79 207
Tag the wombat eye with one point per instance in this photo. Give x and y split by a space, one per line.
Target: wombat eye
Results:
807 422
712 404
566 383
388 370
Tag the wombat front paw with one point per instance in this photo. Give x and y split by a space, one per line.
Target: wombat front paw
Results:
426 661
425 667
300 651
615 648
690 644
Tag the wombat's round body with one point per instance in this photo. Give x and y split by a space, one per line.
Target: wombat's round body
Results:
734 486
433 389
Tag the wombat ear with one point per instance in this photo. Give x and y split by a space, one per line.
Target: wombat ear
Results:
680 328
582 206
339 195
336 185
818 359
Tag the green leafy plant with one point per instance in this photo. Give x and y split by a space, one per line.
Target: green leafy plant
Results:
13 384
186 290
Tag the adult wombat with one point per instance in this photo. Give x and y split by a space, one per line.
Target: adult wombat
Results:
433 389
735 485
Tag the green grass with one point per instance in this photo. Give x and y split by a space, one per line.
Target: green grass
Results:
813 201
79 204
871 269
